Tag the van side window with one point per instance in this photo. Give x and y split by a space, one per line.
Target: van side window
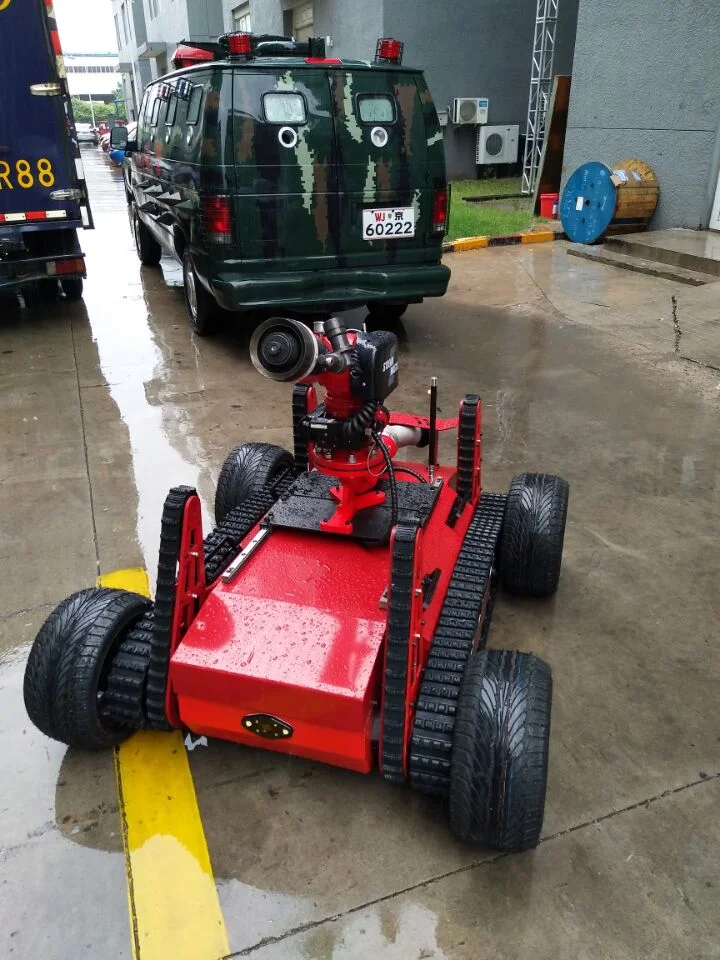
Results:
171 110
284 108
376 108
193 111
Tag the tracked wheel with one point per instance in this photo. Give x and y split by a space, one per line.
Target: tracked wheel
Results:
533 533
72 679
499 762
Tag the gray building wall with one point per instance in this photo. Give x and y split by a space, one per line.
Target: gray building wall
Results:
134 73
477 48
645 84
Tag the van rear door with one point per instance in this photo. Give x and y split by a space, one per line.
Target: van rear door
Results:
36 151
285 168
384 181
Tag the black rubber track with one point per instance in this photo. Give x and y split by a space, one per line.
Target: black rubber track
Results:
466 446
396 657
123 701
533 533
431 744
500 751
249 469
70 662
299 411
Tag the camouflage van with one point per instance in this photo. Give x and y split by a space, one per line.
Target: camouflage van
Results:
283 179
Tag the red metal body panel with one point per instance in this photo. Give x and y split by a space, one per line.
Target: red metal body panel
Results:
413 420
299 635
190 591
296 635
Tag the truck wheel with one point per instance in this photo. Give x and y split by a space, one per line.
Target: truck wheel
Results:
533 532
202 310
70 666
386 312
47 291
249 469
72 287
498 770
148 249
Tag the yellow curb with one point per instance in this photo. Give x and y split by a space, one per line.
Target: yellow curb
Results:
540 236
470 243
172 897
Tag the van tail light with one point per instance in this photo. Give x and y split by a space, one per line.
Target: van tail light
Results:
239 44
389 51
440 211
217 221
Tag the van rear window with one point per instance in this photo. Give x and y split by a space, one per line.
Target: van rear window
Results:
376 108
284 108
155 112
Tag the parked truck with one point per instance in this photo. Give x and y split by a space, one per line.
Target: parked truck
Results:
43 195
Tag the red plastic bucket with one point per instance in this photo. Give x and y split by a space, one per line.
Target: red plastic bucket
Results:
549 205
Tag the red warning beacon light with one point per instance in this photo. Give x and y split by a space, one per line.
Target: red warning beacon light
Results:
389 51
239 44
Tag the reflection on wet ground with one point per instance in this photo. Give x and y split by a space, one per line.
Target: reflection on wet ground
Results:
105 404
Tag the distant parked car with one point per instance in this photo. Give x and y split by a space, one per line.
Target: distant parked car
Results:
86 133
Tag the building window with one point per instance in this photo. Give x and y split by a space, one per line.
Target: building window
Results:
117 32
154 8
126 28
302 21
241 18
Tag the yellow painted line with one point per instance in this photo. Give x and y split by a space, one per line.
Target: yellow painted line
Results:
134 579
174 907
540 236
470 243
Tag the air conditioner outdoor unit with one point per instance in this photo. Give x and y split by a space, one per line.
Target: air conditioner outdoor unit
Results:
497 144
470 110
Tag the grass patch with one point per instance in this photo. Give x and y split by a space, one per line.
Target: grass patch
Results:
491 219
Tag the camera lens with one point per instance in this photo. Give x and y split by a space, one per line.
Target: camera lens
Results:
284 349
279 350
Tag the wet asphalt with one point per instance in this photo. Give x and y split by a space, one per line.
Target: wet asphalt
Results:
106 403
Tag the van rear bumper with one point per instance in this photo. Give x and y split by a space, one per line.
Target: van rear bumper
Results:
336 289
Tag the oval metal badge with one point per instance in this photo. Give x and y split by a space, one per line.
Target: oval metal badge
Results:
287 137
267 726
379 136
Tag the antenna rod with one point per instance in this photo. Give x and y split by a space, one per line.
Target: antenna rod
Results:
432 446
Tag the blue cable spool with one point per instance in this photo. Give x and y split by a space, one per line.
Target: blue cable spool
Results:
588 203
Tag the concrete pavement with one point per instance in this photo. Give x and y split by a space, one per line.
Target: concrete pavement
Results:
107 403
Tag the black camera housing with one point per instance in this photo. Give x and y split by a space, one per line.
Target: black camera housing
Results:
374 372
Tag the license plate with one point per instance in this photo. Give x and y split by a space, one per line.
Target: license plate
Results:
395 222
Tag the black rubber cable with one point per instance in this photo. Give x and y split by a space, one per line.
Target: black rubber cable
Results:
391 476
356 425
412 473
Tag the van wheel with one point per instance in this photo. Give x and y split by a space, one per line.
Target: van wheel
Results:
148 249
72 287
202 309
386 312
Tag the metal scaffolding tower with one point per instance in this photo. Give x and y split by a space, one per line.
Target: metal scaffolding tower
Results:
541 78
